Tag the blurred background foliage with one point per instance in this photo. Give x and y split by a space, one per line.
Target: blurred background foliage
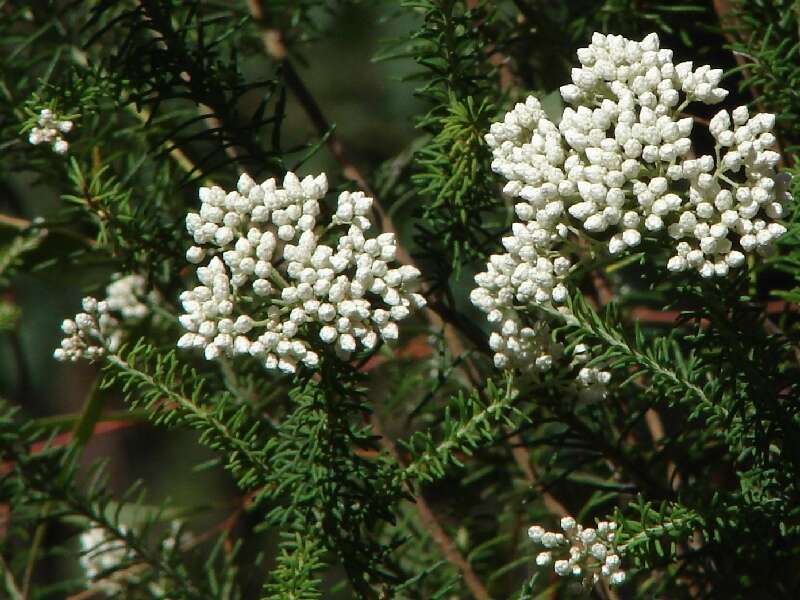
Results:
406 88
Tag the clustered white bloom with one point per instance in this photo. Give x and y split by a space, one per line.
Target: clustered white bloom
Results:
592 381
620 165
589 554
270 279
49 131
90 334
96 331
124 295
100 555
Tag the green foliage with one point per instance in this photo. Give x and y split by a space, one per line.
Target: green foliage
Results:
11 254
410 472
163 52
295 573
452 176
156 382
47 489
320 482
469 424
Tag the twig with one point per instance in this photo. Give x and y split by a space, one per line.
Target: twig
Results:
38 538
728 21
175 153
11 586
118 577
211 102
448 547
14 222
272 39
652 418
523 460
518 450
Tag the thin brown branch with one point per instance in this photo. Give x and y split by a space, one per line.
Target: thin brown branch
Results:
14 222
175 153
272 38
729 23
520 453
432 525
99 588
523 459
652 418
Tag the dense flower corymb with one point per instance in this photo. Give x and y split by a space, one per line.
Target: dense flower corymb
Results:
96 330
621 162
620 165
271 285
588 554
50 130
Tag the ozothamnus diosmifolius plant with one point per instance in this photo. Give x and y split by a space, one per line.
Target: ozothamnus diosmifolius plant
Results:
508 312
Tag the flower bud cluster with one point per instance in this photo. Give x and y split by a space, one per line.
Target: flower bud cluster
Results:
49 131
90 334
592 381
520 277
738 201
96 331
620 166
100 555
270 285
589 554
124 295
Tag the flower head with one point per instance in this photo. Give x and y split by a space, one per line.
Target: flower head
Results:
274 282
617 168
589 554
49 131
99 328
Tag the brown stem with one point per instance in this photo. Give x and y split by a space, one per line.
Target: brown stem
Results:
99 590
209 99
523 460
14 222
728 21
431 522
652 418
175 153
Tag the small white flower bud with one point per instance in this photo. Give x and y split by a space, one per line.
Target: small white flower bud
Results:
562 568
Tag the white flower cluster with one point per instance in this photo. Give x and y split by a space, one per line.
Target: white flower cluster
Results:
100 555
96 331
522 276
589 554
90 334
124 295
270 279
591 381
49 131
618 166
